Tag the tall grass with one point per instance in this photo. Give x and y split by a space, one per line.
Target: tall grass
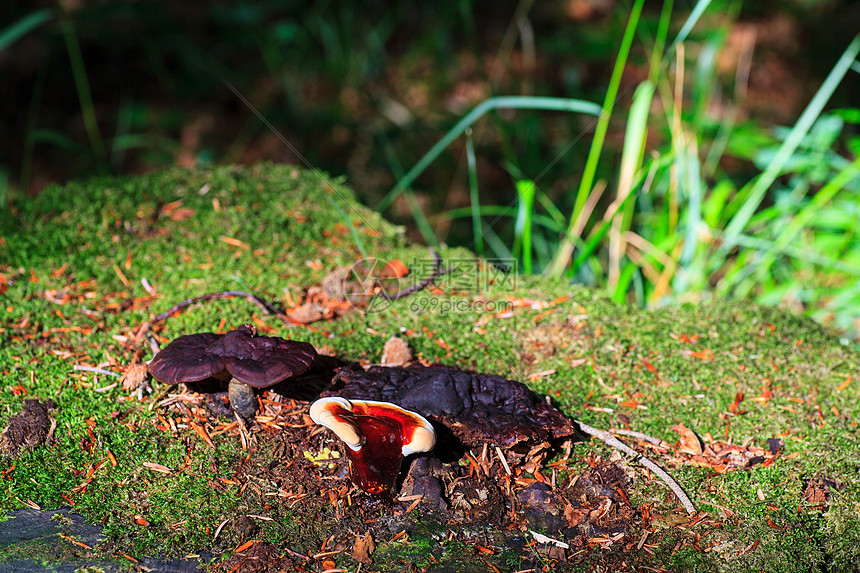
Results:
670 226
511 102
85 97
586 183
23 26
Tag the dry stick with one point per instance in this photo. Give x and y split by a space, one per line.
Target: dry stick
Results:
437 271
153 342
265 306
294 554
95 370
614 442
641 436
269 308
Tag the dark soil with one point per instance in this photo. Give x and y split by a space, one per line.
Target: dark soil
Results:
259 558
472 499
31 427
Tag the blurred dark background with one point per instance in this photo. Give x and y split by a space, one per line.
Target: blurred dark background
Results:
361 89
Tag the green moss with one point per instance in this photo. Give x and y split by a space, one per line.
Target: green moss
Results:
76 258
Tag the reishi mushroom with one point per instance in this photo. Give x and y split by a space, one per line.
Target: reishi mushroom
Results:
248 361
378 436
477 408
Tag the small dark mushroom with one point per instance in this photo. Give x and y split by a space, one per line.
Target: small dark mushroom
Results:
247 360
378 436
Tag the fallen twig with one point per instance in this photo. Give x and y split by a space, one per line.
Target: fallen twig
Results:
96 370
641 436
614 442
295 554
437 272
265 306
269 308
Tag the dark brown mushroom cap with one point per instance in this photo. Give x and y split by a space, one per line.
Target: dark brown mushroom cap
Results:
258 361
477 408
261 361
186 360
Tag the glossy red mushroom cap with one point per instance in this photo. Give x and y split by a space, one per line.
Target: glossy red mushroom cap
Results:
378 435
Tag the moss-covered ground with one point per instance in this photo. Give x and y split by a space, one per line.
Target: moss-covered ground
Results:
83 266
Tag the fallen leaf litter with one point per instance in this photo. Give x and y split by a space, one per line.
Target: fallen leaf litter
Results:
481 486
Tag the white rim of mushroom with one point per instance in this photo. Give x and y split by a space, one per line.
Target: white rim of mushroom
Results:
421 437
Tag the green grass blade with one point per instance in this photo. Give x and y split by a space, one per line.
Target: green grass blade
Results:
474 198
497 245
704 80
590 245
635 136
800 221
32 121
346 221
551 209
755 243
824 196
719 143
124 120
693 187
624 280
660 40
417 213
633 151
538 219
85 97
28 23
56 138
420 218
759 186
597 235
391 158
565 250
689 24
713 208
505 102
523 230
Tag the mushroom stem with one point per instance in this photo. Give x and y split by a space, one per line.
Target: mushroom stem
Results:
374 467
242 399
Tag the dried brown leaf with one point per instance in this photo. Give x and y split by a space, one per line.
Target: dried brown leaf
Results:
363 548
690 443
